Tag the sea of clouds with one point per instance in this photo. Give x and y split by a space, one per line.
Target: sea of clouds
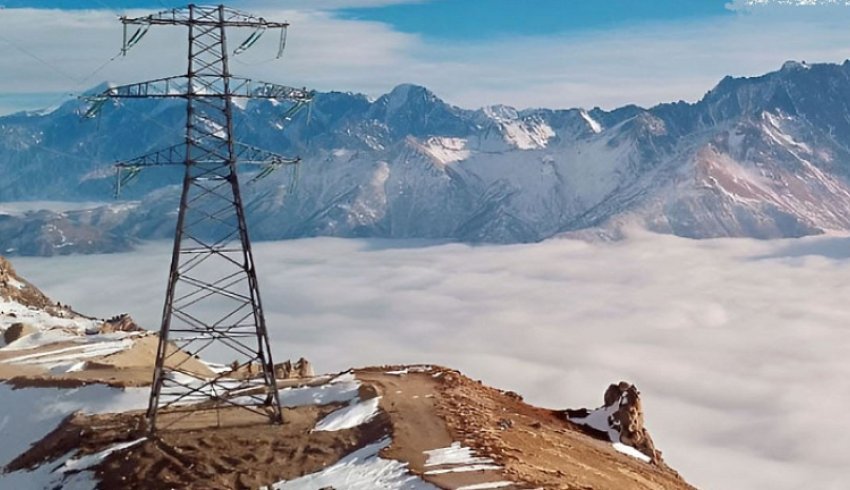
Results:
739 346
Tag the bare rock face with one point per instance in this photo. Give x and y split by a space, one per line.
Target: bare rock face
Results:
16 289
283 370
120 323
303 368
5 270
16 331
287 370
629 419
620 419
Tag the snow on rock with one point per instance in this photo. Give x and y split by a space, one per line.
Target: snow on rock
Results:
371 203
500 113
599 419
774 128
12 312
29 414
341 389
457 459
89 460
593 123
527 135
44 477
71 355
630 451
361 470
446 150
486 486
524 133
357 413
621 420
455 454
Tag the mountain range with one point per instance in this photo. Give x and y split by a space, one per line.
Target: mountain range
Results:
760 157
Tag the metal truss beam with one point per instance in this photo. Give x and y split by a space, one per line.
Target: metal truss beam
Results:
212 303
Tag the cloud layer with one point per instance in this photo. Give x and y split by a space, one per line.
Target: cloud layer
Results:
739 346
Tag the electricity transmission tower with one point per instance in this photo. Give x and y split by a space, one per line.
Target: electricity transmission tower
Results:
212 302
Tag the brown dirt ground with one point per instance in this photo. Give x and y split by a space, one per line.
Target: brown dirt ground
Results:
244 457
411 401
537 448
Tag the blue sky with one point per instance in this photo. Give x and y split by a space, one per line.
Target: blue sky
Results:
466 19
483 19
525 53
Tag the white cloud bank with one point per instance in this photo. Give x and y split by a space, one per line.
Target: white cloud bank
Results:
747 4
740 347
56 51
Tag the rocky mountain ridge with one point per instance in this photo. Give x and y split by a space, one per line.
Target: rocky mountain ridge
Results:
759 157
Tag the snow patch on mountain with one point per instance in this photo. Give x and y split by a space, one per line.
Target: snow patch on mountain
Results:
773 128
341 389
356 413
28 414
446 150
12 312
363 469
593 123
528 135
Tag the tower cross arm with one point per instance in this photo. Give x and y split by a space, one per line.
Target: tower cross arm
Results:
176 155
180 87
254 89
212 86
203 15
128 170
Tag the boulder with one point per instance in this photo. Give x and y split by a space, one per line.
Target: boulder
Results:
303 369
120 323
625 416
283 370
18 330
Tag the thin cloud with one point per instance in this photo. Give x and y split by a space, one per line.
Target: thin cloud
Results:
644 64
738 5
739 346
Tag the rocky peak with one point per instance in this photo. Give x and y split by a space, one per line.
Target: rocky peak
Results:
120 323
811 90
620 420
13 288
414 110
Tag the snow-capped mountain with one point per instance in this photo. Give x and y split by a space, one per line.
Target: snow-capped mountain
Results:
757 157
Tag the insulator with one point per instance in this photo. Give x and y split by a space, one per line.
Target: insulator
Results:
282 45
247 43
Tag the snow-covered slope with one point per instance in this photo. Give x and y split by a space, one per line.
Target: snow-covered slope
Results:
763 157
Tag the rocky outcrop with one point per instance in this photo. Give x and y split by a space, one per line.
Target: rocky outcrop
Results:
629 418
303 368
16 331
619 420
300 370
120 323
12 287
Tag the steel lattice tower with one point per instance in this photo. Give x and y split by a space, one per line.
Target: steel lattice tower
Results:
212 301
